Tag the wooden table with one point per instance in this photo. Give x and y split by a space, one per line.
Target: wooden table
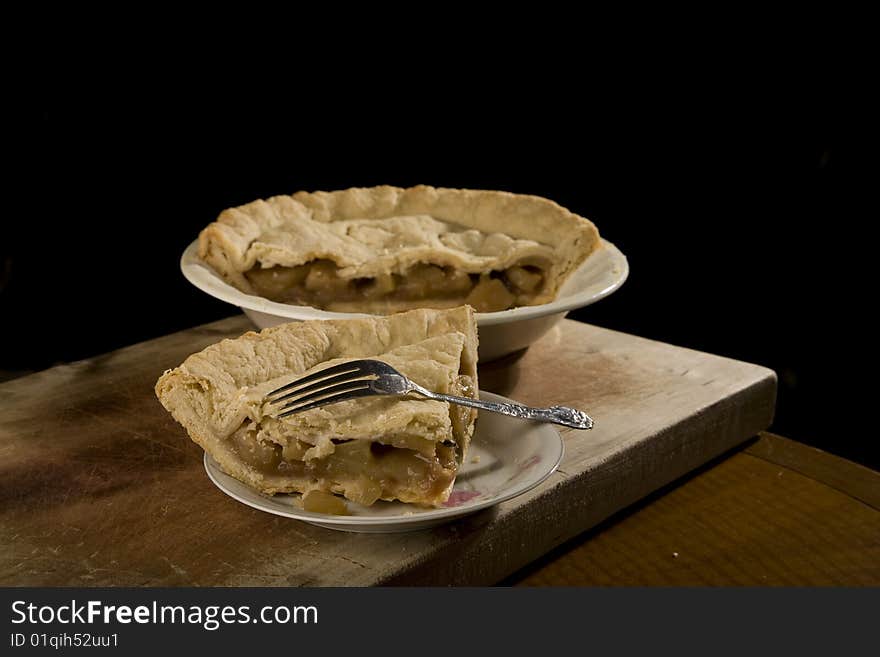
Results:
99 486
773 513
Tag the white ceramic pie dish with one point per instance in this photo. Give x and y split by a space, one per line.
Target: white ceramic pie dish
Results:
501 333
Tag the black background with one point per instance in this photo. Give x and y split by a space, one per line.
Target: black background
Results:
738 214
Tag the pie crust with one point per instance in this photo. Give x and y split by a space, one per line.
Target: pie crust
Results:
365 449
386 249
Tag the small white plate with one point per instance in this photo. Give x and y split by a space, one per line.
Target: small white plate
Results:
507 457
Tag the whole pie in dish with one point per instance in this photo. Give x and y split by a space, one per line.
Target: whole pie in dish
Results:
385 249
367 449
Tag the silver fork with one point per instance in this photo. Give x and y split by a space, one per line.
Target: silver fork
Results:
366 378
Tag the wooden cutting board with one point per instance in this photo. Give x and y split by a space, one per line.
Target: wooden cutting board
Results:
99 486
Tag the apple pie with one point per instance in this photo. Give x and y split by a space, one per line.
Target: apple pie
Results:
367 449
385 249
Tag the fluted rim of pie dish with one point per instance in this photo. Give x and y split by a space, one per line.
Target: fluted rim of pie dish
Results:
608 263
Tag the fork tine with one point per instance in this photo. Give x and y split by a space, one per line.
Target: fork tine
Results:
344 396
321 374
338 389
324 383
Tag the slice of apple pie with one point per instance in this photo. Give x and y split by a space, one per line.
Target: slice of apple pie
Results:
386 249
368 449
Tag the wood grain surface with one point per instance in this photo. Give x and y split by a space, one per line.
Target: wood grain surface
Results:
100 486
777 513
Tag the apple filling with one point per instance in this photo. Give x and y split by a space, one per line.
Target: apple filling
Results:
365 470
400 465
319 284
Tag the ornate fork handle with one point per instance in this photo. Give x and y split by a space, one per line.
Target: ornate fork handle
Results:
567 417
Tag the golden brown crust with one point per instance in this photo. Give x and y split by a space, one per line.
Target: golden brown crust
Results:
218 393
471 230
